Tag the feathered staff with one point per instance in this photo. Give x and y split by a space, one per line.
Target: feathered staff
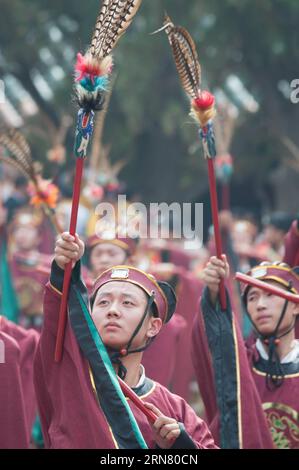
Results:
93 70
43 193
91 82
202 110
224 126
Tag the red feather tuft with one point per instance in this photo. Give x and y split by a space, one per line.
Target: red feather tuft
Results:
87 68
205 100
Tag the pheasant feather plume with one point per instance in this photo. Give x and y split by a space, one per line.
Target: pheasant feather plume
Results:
18 155
113 20
189 70
93 69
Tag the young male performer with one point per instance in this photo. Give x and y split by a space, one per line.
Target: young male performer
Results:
103 252
272 362
79 400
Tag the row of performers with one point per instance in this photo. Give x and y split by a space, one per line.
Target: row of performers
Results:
173 329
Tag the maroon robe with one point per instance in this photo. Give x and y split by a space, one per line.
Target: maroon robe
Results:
168 359
291 256
179 256
220 357
188 295
281 405
159 359
69 411
204 373
291 243
29 282
17 396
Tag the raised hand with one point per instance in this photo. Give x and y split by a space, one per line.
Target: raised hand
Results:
68 248
212 274
166 430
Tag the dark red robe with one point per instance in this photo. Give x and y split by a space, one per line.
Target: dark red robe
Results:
246 410
17 396
159 359
291 243
281 406
29 283
69 408
168 359
188 293
291 256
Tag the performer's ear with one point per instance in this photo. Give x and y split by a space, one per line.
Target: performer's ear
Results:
155 325
296 309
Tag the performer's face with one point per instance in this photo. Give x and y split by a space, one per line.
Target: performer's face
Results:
117 310
243 233
265 310
26 237
104 256
273 235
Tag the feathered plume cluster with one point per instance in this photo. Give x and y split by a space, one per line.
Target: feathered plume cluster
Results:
19 153
45 192
42 192
189 70
93 69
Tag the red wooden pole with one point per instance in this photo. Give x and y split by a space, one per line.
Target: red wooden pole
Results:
128 392
267 287
68 269
218 241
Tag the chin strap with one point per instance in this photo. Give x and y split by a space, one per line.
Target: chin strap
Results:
116 355
275 374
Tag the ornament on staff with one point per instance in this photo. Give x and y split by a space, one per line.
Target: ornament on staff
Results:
43 192
224 127
202 110
92 75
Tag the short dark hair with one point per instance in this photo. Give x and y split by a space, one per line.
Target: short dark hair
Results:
153 312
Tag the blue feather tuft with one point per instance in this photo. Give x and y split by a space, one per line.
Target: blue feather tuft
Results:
98 83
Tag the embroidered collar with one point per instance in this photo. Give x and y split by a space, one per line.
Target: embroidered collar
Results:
145 385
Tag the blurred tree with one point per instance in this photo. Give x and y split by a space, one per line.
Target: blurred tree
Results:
148 123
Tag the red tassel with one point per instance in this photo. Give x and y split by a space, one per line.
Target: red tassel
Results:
87 68
205 100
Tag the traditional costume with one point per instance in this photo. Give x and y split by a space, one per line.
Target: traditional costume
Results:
28 279
17 396
255 393
291 256
79 401
291 243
